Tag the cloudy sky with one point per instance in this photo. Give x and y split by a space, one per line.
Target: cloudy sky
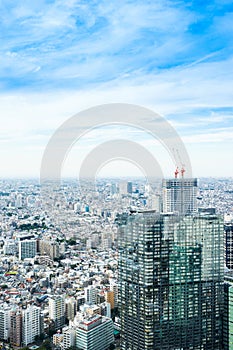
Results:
60 57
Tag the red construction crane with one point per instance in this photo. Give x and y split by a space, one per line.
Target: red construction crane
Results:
176 172
182 171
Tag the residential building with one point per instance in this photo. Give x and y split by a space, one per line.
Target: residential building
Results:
31 324
57 310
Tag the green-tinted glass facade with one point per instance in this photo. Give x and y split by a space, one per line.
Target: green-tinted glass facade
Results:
228 314
171 282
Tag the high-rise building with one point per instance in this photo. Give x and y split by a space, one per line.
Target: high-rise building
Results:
114 288
90 295
179 195
171 282
16 327
4 322
129 187
71 308
94 333
57 310
109 297
27 248
228 313
228 228
49 248
31 324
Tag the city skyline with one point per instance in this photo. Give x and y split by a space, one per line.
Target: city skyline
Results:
58 59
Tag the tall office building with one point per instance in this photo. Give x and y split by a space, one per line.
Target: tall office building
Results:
171 282
57 310
179 195
228 313
228 228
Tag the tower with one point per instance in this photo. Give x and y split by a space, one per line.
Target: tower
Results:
170 281
179 195
229 244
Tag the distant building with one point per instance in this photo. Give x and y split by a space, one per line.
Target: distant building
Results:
114 288
179 195
27 249
49 248
70 308
69 338
57 310
4 322
129 187
31 324
90 295
58 338
16 327
94 333
109 297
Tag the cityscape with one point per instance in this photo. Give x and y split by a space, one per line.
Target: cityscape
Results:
116 180
120 268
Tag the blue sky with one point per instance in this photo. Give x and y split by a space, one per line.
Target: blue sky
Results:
59 57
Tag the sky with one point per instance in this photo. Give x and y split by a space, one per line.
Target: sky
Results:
60 57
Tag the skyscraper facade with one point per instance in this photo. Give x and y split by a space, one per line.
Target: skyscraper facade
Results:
228 227
171 282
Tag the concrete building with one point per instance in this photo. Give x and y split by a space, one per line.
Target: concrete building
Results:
179 195
57 310
94 333
16 327
4 322
90 295
58 338
27 249
69 338
70 308
49 248
31 324
109 297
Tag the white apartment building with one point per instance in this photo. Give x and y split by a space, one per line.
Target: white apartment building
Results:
31 324
57 310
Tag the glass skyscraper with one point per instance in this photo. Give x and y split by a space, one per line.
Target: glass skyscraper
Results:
170 281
